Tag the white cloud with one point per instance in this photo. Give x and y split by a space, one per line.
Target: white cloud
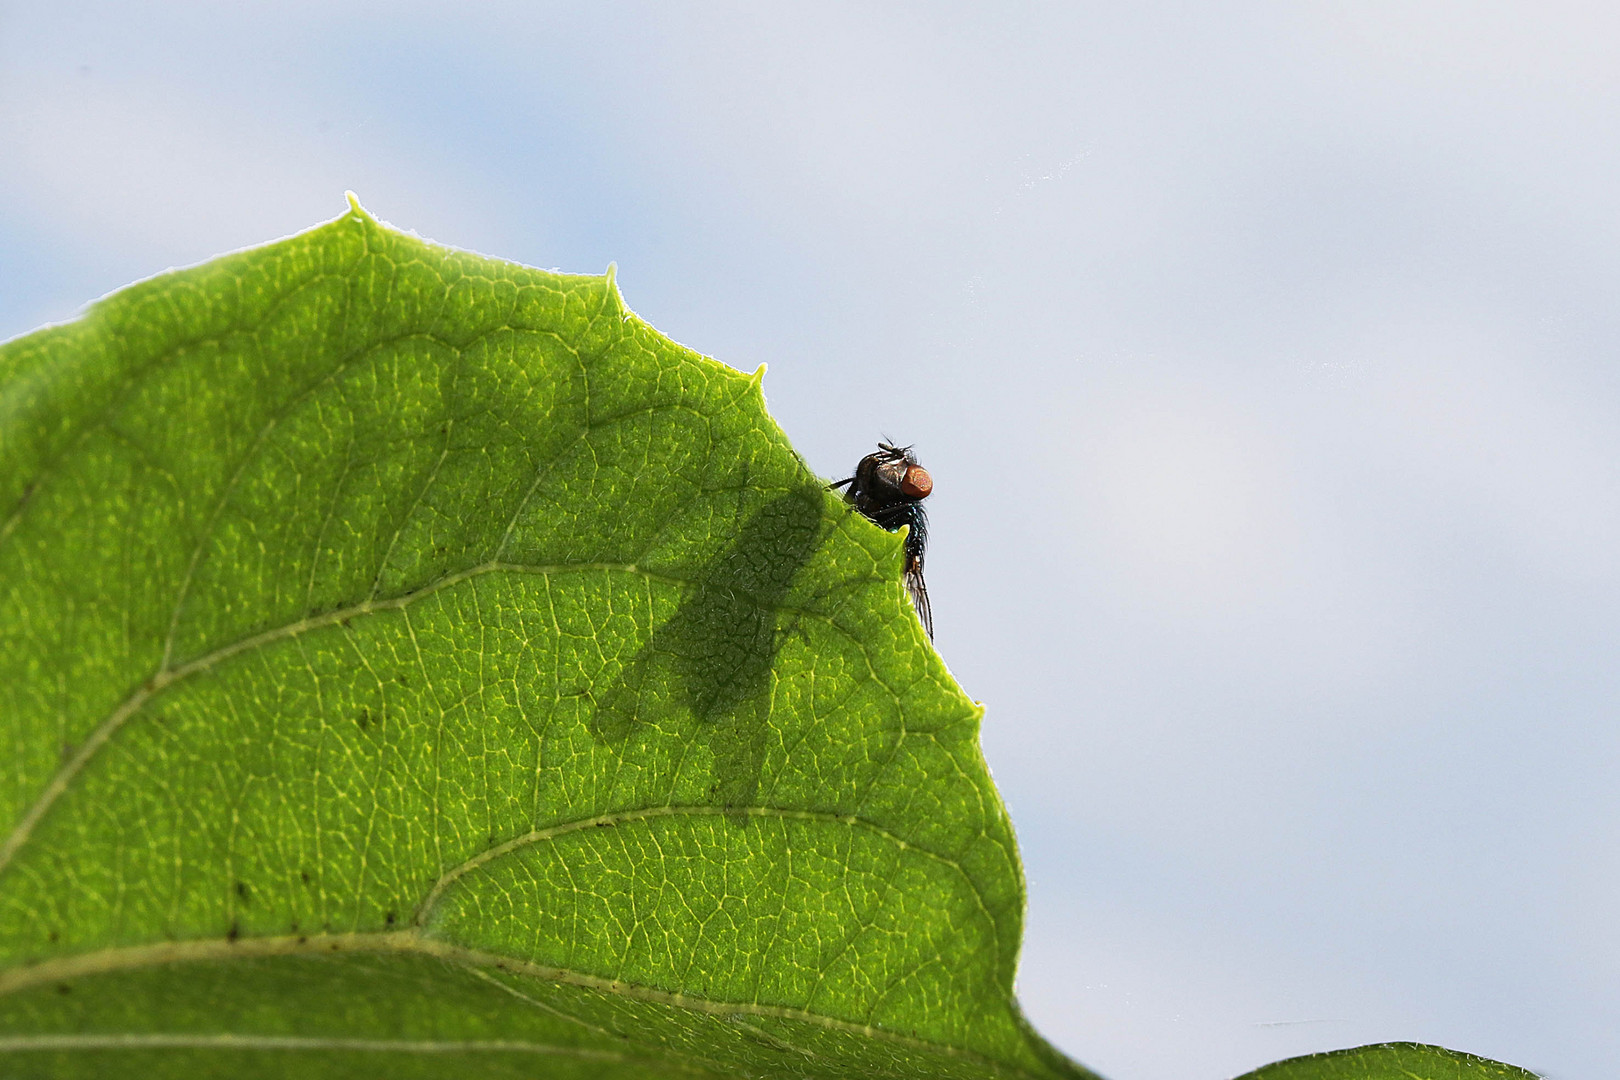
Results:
1185 492
1535 458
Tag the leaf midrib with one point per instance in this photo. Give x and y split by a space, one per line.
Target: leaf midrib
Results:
235 1041
413 941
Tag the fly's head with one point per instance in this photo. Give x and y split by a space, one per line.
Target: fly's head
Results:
889 477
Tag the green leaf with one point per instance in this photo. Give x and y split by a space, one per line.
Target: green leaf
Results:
1390 1061
413 664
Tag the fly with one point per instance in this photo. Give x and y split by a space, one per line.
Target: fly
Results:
888 489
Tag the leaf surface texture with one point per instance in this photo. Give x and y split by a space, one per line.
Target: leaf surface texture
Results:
413 662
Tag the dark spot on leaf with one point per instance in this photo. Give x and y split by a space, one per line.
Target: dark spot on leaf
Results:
303 875
52 936
715 654
389 918
363 717
302 939
63 988
234 932
400 678
242 890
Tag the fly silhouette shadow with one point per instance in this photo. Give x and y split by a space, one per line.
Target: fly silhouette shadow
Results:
712 660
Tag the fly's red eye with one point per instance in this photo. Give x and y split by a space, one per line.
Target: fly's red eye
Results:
916 483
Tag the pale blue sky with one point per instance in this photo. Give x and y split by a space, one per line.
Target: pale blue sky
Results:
1264 354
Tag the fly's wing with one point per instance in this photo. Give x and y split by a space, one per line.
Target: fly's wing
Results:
919 597
916 521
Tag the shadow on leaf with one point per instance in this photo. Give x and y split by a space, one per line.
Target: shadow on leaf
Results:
712 660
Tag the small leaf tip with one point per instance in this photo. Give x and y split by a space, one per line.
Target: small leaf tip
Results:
616 297
354 204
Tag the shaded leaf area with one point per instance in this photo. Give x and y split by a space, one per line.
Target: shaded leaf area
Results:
413 664
1390 1061
407 1015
